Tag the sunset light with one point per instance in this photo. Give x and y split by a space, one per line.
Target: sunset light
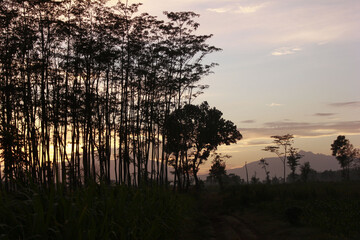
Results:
180 119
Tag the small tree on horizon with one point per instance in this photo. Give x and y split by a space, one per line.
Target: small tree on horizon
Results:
345 153
275 180
217 170
293 161
263 165
254 179
305 170
285 142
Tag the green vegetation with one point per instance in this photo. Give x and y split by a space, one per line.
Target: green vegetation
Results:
332 209
278 211
94 212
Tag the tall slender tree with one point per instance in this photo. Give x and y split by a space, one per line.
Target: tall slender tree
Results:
87 90
284 142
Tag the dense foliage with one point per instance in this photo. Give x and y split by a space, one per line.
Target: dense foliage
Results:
345 153
86 88
193 133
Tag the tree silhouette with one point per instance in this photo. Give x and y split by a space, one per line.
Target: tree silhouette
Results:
305 170
83 84
285 142
345 153
254 179
217 170
293 161
263 165
194 132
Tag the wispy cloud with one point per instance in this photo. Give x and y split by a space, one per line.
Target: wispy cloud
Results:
249 9
257 143
287 124
248 121
322 43
237 9
219 10
346 104
324 114
274 105
324 131
285 51
302 129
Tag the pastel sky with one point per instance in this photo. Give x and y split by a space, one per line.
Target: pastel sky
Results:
287 66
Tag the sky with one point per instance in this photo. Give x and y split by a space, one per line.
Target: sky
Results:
286 66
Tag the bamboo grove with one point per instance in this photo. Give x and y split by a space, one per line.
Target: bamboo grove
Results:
86 88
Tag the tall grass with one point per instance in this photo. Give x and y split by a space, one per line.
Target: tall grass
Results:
94 212
333 207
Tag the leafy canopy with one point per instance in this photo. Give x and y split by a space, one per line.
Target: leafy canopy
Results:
197 130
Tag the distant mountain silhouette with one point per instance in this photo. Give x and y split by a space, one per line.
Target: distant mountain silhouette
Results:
318 162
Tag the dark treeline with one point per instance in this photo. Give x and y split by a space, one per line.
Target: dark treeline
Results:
83 84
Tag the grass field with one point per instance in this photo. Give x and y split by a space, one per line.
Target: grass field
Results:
320 210
259 211
94 212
